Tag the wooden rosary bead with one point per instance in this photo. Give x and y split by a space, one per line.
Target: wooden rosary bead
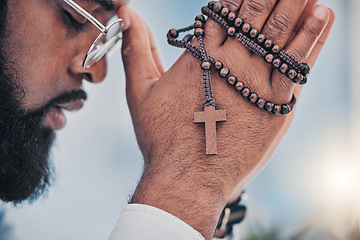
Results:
211 4
224 72
173 33
232 80
305 69
218 7
269 106
285 109
276 49
238 22
254 33
205 10
261 38
268 43
246 92
262 46
218 65
269 58
276 63
231 31
291 74
200 18
284 67
246 28
304 81
239 86
231 17
225 12
299 78
253 97
265 48
206 65
198 24
277 109
199 32
261 103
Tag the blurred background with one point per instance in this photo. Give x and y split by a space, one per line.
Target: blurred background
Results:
309 190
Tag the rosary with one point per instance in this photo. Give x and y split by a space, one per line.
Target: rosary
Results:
257 43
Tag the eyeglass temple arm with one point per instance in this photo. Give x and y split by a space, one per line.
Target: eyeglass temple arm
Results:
87 15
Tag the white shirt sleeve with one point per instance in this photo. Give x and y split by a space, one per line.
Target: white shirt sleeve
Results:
142 222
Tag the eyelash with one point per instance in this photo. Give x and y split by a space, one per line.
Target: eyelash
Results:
71 21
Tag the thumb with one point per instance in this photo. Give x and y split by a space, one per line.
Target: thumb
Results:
141 60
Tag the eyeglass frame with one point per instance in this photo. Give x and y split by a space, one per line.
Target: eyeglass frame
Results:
104 30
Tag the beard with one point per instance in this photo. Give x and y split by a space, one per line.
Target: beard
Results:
24 144
25 171
24 149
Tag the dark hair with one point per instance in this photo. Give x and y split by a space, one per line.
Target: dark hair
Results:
3 13
3 16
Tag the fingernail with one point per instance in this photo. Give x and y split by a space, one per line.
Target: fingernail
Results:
321 12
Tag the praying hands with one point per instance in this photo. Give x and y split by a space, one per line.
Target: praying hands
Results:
179 176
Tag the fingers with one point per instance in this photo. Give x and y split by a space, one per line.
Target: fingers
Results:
320 43
255 12
303 42
141 62
216 35
283 20
307 10
318 46
233 5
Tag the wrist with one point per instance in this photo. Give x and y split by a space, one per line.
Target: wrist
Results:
198 201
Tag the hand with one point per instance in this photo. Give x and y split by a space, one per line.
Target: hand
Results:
178 176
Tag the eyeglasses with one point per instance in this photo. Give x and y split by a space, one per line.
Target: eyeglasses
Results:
109 38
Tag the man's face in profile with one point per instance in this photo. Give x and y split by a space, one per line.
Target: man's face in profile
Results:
43 44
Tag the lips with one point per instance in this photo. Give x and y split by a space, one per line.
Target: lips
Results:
55 118
73 105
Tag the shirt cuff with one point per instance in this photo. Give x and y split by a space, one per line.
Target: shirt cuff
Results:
142 222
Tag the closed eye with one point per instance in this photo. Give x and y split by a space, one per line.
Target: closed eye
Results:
72 22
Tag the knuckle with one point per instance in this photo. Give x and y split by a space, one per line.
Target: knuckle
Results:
311 30
126 51
257 7
232 5
279 24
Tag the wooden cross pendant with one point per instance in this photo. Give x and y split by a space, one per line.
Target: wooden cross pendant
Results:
210 116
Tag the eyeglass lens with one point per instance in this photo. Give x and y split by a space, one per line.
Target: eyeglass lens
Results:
105 43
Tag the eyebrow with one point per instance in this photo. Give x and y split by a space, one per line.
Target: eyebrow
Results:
106 4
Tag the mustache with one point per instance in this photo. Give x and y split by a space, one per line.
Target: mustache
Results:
66 98
63 98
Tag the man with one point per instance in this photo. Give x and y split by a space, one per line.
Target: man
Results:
42 71
36 85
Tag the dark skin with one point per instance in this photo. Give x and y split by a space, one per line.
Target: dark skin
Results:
177 171
42 49
60 38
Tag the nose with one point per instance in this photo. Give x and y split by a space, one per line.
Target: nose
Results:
94 74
